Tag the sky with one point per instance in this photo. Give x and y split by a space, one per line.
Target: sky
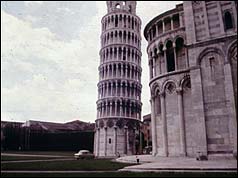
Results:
50 58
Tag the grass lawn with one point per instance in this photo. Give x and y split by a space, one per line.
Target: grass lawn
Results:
19 158
55 153
124 174
88 165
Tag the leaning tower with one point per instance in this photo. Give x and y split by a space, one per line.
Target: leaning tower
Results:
119 87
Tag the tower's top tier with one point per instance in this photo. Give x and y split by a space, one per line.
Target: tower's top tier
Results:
126 6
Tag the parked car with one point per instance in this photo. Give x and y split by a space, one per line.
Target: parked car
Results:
84 154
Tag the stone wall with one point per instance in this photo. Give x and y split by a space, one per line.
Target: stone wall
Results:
197 101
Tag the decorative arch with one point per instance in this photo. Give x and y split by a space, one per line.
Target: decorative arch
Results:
101 124
110 123
120 123
168 40
157 91
167 82
186 77
155 87
207 51
232 59
130 124
186 83
177 40
180 36
232 51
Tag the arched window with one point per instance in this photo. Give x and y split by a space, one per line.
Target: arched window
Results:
120 36
132 23
110 140
124 36
228 21
180 53
116 21
129 37
170 57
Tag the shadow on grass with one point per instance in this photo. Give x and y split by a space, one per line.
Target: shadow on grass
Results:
124 174
54 153
71 165
23 158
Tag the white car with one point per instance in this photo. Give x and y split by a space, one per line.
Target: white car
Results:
84 154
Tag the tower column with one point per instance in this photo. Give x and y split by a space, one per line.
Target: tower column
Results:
120 109
115 70
164 124
106 111
125 90
126 75
153 126
181 119
125 137
134 141
111 88
116 88
121 90
115 113
105 141
110 109
151 68
154 66
115 141
163 26
97 112
165 59
98 142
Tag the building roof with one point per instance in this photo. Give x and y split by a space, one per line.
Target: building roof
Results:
147 117
54 127
4 123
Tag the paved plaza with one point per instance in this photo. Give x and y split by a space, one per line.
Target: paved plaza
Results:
150 163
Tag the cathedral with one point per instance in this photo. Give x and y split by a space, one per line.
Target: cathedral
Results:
192 52
119 89
192 57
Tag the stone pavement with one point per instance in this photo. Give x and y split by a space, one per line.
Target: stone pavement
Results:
150 163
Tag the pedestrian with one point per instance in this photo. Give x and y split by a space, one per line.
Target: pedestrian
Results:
137 160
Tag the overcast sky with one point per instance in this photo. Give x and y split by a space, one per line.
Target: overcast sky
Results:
50 58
